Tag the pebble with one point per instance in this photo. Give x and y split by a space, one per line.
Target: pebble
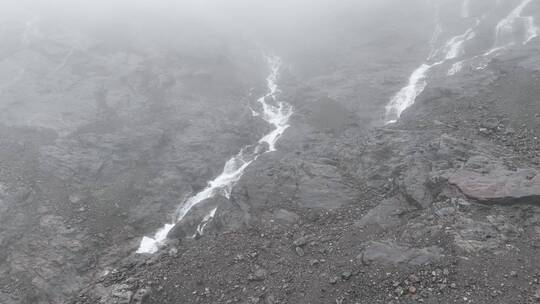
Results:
483 131
346 275
140 295
413 278
258 275
301 241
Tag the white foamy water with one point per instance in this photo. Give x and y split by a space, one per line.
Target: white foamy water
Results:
407 95
207 218
273 111
505 36
453 48
455 68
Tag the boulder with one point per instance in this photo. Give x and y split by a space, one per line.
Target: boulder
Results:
499 185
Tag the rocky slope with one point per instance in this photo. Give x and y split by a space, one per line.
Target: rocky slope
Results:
442 206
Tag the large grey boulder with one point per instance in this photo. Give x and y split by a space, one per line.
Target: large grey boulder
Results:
499 185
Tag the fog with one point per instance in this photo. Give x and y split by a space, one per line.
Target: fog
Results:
267 151
278 22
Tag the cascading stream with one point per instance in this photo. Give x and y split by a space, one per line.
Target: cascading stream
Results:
504 29
274 112
454 48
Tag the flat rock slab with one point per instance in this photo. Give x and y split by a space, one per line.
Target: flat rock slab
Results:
499 185
387 214
388 252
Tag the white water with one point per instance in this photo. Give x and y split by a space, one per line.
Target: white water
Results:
279 115
455 68
454 48
505 29
407 95
207 218
273 111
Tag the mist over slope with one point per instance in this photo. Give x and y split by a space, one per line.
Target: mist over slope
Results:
242 151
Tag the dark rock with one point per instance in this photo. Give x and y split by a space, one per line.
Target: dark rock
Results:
536 295
490 124
388 252
484 131
415 182
284 216
509 131
271 299
258 275
414 279
386 215
120 294
141 296
313 185
302 241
